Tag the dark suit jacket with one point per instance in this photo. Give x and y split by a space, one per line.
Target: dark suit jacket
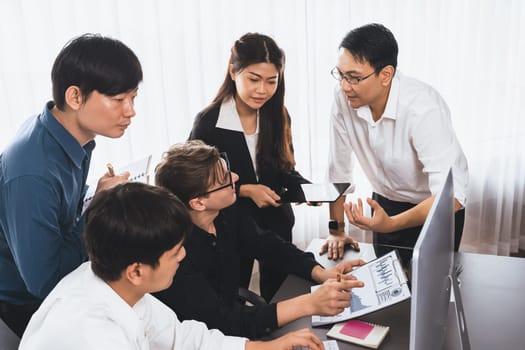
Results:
279 220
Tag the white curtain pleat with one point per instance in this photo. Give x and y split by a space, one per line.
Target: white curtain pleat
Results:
471 51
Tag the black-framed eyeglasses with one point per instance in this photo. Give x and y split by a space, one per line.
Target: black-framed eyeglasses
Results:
336 73
224 157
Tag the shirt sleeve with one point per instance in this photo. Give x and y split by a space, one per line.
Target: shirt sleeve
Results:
85 332
340 159
192 297
193 335
42 252
202 128
165 331
437 147
267 246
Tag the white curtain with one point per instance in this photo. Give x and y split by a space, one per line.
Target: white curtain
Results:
471 51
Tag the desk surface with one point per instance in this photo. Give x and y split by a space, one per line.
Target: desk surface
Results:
492 289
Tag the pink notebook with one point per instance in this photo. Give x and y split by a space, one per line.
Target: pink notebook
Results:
357 329
359 332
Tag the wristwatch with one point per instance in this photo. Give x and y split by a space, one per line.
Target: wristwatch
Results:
336 225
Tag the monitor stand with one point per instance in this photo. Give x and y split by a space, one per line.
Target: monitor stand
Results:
456 334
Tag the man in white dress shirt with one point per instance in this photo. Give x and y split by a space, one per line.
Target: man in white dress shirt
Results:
400 131
134 235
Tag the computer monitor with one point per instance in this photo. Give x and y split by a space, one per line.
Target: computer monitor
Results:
433 276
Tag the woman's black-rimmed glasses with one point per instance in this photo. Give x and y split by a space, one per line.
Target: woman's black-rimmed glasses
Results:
224 157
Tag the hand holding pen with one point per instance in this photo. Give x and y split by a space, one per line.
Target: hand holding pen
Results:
111 171
110 179
339 272
332 296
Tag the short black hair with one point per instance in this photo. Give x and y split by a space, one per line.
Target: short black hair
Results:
94 62
132 222
372 43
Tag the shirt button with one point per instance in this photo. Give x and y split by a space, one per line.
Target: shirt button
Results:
267 330
214 244
77 219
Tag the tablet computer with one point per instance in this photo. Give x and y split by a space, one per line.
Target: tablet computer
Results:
315 193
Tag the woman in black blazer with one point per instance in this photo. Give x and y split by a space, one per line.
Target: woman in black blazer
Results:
248 120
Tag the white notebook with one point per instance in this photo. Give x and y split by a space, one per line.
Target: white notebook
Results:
138 172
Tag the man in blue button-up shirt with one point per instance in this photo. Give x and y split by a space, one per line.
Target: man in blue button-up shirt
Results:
43 172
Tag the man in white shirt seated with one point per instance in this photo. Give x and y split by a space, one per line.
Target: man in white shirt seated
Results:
134 235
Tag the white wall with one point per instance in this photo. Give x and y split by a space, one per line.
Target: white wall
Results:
471 51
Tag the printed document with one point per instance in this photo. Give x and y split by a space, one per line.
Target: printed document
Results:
385 284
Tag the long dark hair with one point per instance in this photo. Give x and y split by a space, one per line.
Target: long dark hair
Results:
274 149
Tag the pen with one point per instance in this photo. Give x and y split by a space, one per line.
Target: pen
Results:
110 169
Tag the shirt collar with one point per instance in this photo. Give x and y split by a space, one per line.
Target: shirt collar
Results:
125 316
391 102
229 118
198 235
69 144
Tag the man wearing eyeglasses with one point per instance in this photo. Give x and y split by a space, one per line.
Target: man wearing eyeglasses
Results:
400 131
206 286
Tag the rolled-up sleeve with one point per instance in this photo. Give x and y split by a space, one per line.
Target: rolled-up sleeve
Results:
438 148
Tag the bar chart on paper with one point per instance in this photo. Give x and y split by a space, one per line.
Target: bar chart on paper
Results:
385 284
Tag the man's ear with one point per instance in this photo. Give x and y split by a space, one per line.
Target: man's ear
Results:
134 273
73 97
197 204
386 75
